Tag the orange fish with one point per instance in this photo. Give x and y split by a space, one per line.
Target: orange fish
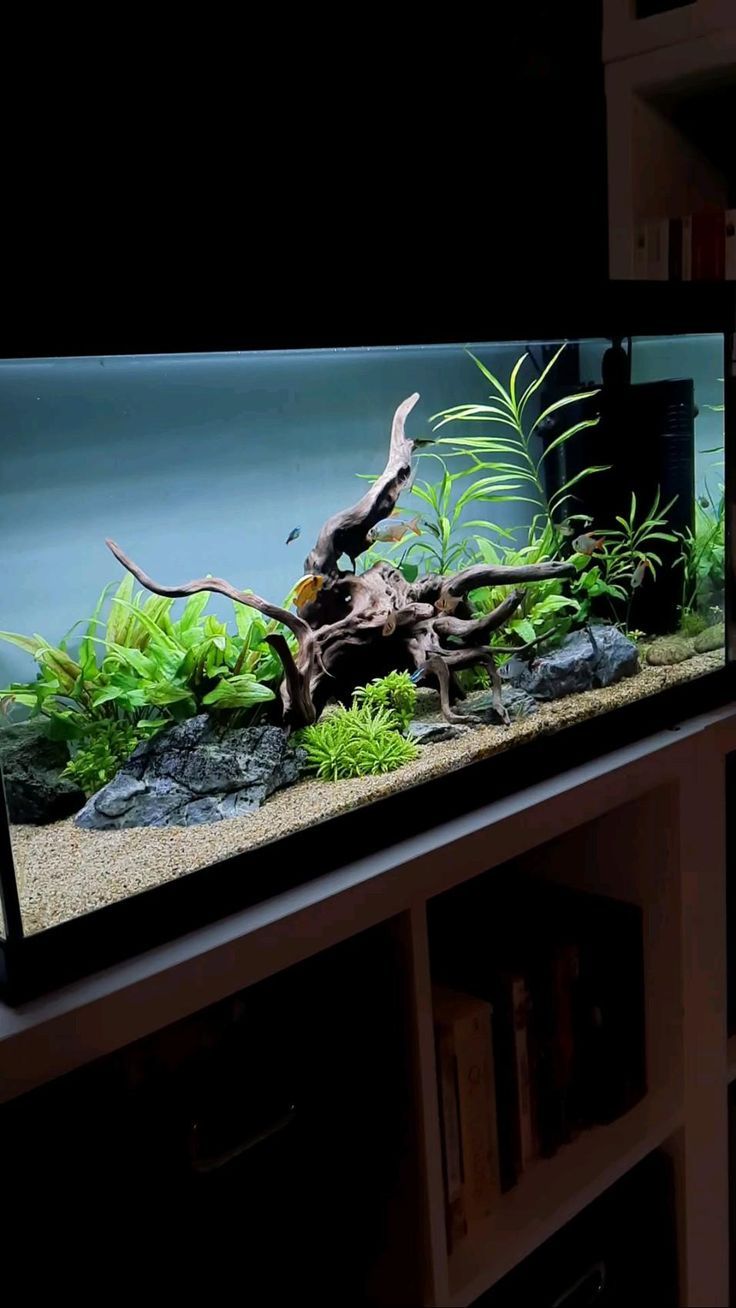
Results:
307 589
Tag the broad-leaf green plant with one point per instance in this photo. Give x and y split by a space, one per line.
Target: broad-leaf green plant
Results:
141 664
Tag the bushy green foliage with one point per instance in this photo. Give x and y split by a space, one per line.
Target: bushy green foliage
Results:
142 664
545 612
395 692
630 543
354 742
691 623
106 747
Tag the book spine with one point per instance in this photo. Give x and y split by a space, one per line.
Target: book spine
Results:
730 245
520 1002
708 245
641 258
658 231
687 248
674 242
481 1184
450 1122
566 970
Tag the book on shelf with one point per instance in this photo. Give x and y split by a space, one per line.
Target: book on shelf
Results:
455 1219
700 246
463 1026
563 972
525 1108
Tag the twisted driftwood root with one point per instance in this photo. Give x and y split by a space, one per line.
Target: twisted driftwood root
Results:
363 626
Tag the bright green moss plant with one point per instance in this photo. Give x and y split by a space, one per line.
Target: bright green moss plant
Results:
360 741
395 692
107 746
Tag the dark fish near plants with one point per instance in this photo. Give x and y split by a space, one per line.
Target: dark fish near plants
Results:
294 534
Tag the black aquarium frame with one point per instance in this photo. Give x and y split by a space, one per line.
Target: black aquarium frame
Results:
30 964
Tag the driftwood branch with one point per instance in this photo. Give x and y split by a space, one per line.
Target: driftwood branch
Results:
347 532
454 588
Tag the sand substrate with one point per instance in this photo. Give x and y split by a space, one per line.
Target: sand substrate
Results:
63 871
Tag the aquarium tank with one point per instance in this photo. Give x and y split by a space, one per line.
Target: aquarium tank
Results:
249 594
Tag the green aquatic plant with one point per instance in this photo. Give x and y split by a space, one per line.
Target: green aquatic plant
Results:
547 611
354 742
518 475
702 556
107 745
395 692
445 544
691 623
628 546
140 665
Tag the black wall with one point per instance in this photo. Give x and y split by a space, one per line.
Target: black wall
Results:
296 174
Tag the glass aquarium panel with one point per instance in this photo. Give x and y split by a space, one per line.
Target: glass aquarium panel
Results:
454 549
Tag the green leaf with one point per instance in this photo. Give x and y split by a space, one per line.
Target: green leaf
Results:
118 620
533 386
566 435
238 692
493 380
106 695
561 493
524 628
514 375
560 404
163 693
31 644
193 610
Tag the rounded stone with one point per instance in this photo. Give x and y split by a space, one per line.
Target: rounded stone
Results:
712 638
668 650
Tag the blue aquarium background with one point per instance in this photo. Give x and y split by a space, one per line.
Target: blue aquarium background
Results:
204 463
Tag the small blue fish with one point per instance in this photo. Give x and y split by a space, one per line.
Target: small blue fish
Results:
293 535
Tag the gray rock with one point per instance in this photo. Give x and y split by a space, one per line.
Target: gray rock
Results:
430 733
518 704
585 660
32 764
193 773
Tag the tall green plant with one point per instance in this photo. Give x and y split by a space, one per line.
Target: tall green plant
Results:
517 475
702 555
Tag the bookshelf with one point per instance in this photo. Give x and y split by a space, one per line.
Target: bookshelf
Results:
671 98
630 824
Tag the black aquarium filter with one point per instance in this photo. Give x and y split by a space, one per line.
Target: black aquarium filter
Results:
645 440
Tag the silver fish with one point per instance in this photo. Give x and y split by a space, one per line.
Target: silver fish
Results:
587 544
639 573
